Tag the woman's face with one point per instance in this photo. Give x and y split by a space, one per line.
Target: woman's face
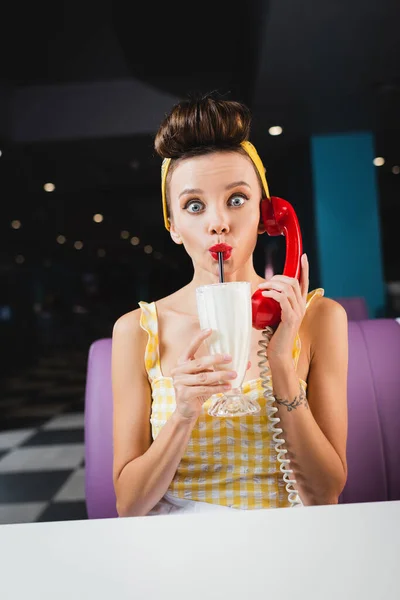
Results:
214 199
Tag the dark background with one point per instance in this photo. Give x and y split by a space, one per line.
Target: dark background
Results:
313 68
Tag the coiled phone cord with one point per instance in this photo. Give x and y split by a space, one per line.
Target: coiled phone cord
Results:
265 374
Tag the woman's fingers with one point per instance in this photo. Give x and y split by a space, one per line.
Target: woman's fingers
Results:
197 379
304 277
205 378
206 391
194 346
206 362
201 364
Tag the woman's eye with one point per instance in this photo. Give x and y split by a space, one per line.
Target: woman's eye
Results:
237 200
194 206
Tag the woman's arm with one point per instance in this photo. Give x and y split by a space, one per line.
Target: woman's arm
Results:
142 470
315 425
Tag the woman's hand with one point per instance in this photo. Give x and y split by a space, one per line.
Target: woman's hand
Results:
194 379
292 297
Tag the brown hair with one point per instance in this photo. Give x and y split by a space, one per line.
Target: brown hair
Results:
203 125
198 126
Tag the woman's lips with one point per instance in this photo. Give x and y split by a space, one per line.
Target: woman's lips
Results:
225 255
224 248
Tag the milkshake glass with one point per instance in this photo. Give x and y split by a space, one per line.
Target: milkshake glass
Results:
226 309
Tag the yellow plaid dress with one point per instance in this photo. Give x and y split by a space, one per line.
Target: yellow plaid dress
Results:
229 462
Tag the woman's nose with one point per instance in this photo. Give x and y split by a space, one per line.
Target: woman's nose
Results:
219 224
219 229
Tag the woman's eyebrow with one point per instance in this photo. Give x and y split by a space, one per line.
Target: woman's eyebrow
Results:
199 191
237 184
191 191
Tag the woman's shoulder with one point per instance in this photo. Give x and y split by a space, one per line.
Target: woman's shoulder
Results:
323 318
129 327
131 321
128 322
323 307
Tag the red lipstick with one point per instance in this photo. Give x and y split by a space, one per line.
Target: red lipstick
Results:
224 248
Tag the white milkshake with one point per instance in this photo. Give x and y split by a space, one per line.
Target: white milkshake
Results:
226 309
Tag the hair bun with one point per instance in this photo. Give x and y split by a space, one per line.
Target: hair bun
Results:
197 125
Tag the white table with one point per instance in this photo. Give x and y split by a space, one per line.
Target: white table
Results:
328 552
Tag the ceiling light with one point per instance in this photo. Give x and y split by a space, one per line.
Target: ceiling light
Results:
97 218
1 153
15 224
20 259
396 170
78 245
101 253
148 249
124 234
61 239
49 187
276 130
379 161
135 241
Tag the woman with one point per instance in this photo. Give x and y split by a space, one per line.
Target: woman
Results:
169 454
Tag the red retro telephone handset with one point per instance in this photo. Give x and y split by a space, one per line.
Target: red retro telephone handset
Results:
279 218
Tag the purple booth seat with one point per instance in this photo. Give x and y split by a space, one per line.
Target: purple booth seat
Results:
373 449
355 307
99 489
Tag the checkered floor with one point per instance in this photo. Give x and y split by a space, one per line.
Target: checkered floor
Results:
42 442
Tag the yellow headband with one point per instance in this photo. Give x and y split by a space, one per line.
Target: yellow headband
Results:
251 151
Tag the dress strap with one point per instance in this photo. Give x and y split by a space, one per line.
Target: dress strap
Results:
297 344
149 322
318 292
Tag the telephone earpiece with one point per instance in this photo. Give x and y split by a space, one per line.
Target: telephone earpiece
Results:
279 218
